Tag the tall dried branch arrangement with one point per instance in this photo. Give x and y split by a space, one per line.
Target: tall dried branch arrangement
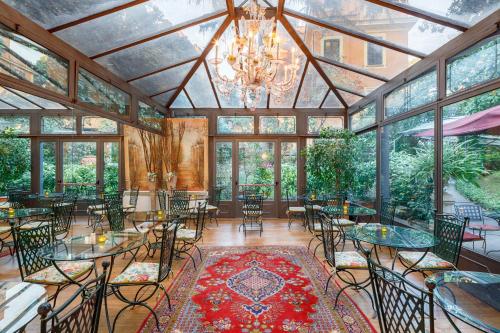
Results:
151 144
171 145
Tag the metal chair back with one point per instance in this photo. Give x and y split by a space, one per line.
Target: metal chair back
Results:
469 210
387 213
114 211
167 250
253 205
162 199
200 219
134 196
179 205
83 317
401 305
310 214
63 216
450 232
328 234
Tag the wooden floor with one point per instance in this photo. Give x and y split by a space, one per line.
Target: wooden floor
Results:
275 233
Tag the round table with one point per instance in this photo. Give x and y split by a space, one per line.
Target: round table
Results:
153 217
351 210
472 297
392 236
19 302
22 213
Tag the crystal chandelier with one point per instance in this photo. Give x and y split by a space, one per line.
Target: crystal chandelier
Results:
256 60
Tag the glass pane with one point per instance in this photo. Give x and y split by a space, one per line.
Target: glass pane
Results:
111 166
235 125
350 99
181 101
200 90
352 50
59 125
469 11
165 97
379 22
471 155
365 158
407 174
477 64
288 44
15 163
277 125
363 118
163 81
417 92
161 52
313 89
79 163
4 106
26 60
95 91
316 123
148 116
48 155
332 101
135 23
342 78
9 97
289 170
98 125
44 103
15 124
51 14
224 169
256 166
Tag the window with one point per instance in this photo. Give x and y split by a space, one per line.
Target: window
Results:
15 124
332 48
224 169
111 166
471 153
316 123
363 118
365 158
415 93
407 168
374 55
235 125
289 170
59 125
149 116
94 91
277 125
15 163
98 125
477 64
25 60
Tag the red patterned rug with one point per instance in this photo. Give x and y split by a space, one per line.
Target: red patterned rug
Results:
256 290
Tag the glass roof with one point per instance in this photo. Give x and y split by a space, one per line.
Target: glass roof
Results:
122 36
12 99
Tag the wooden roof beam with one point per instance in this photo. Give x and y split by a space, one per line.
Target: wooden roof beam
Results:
163 33
352 68
310 57
431 17
354 33
211 83
202 57
163 69
96 15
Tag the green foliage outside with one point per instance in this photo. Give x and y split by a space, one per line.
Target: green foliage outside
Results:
15 161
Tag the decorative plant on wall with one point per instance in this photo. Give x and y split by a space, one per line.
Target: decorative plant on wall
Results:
330 162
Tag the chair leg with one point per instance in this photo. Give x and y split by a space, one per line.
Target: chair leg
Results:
327 283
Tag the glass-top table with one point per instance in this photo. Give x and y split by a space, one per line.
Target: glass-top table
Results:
93 246
22 213
351 210
155 217
392 236
19 302
473 297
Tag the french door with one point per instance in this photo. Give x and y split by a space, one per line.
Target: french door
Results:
243 164
65 163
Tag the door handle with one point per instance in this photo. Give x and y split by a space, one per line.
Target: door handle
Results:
277 183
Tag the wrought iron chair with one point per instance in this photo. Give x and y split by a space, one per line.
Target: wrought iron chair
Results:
18 199
35 269
146 274
444 255
188 238
84 317
294 212
132 201
401 306
469 210
313 224
213 210
252 213
63 217
342 262
114 211
162 199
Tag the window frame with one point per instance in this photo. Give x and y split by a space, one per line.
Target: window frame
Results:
384 55
340 49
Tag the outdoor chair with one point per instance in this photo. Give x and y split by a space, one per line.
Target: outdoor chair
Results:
444 255
401 305
132 201
296 212
252 214
341 262
144 275
35 269
82 317
63 217
214 209
470 211
162 199
114 211
188 238
313 225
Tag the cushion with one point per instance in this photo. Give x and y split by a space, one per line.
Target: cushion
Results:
138 272
252 212
50 275
211 207
96 207
344 222
350 259
99 212
430 261
159 227
128 206
471 237
317 227
33 225
186 234
316 207
4 229
296 210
